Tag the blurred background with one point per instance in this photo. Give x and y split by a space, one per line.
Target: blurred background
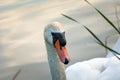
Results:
22 24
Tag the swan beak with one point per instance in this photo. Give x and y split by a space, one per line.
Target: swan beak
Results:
62 52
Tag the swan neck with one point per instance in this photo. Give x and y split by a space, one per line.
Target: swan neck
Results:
57 68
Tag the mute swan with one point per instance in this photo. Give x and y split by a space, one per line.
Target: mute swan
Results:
93 69
54 36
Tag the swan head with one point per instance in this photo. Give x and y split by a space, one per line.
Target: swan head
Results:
55 35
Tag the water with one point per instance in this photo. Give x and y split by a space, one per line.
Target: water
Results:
21 32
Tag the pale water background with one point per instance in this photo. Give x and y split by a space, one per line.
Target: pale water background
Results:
21 33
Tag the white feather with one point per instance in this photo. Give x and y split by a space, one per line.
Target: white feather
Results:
107 68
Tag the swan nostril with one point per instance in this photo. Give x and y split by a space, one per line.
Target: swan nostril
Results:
66 61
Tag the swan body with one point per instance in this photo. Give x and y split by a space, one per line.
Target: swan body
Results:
95 69
107 68
86 70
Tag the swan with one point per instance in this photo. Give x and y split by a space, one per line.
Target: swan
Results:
93 69
55 41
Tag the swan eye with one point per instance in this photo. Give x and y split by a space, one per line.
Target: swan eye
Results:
59 36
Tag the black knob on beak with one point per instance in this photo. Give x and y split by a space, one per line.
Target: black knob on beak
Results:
62 42
60 37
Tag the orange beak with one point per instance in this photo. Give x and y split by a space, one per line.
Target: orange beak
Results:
62 52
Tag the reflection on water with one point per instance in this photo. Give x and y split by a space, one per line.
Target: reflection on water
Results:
22 23
21 29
